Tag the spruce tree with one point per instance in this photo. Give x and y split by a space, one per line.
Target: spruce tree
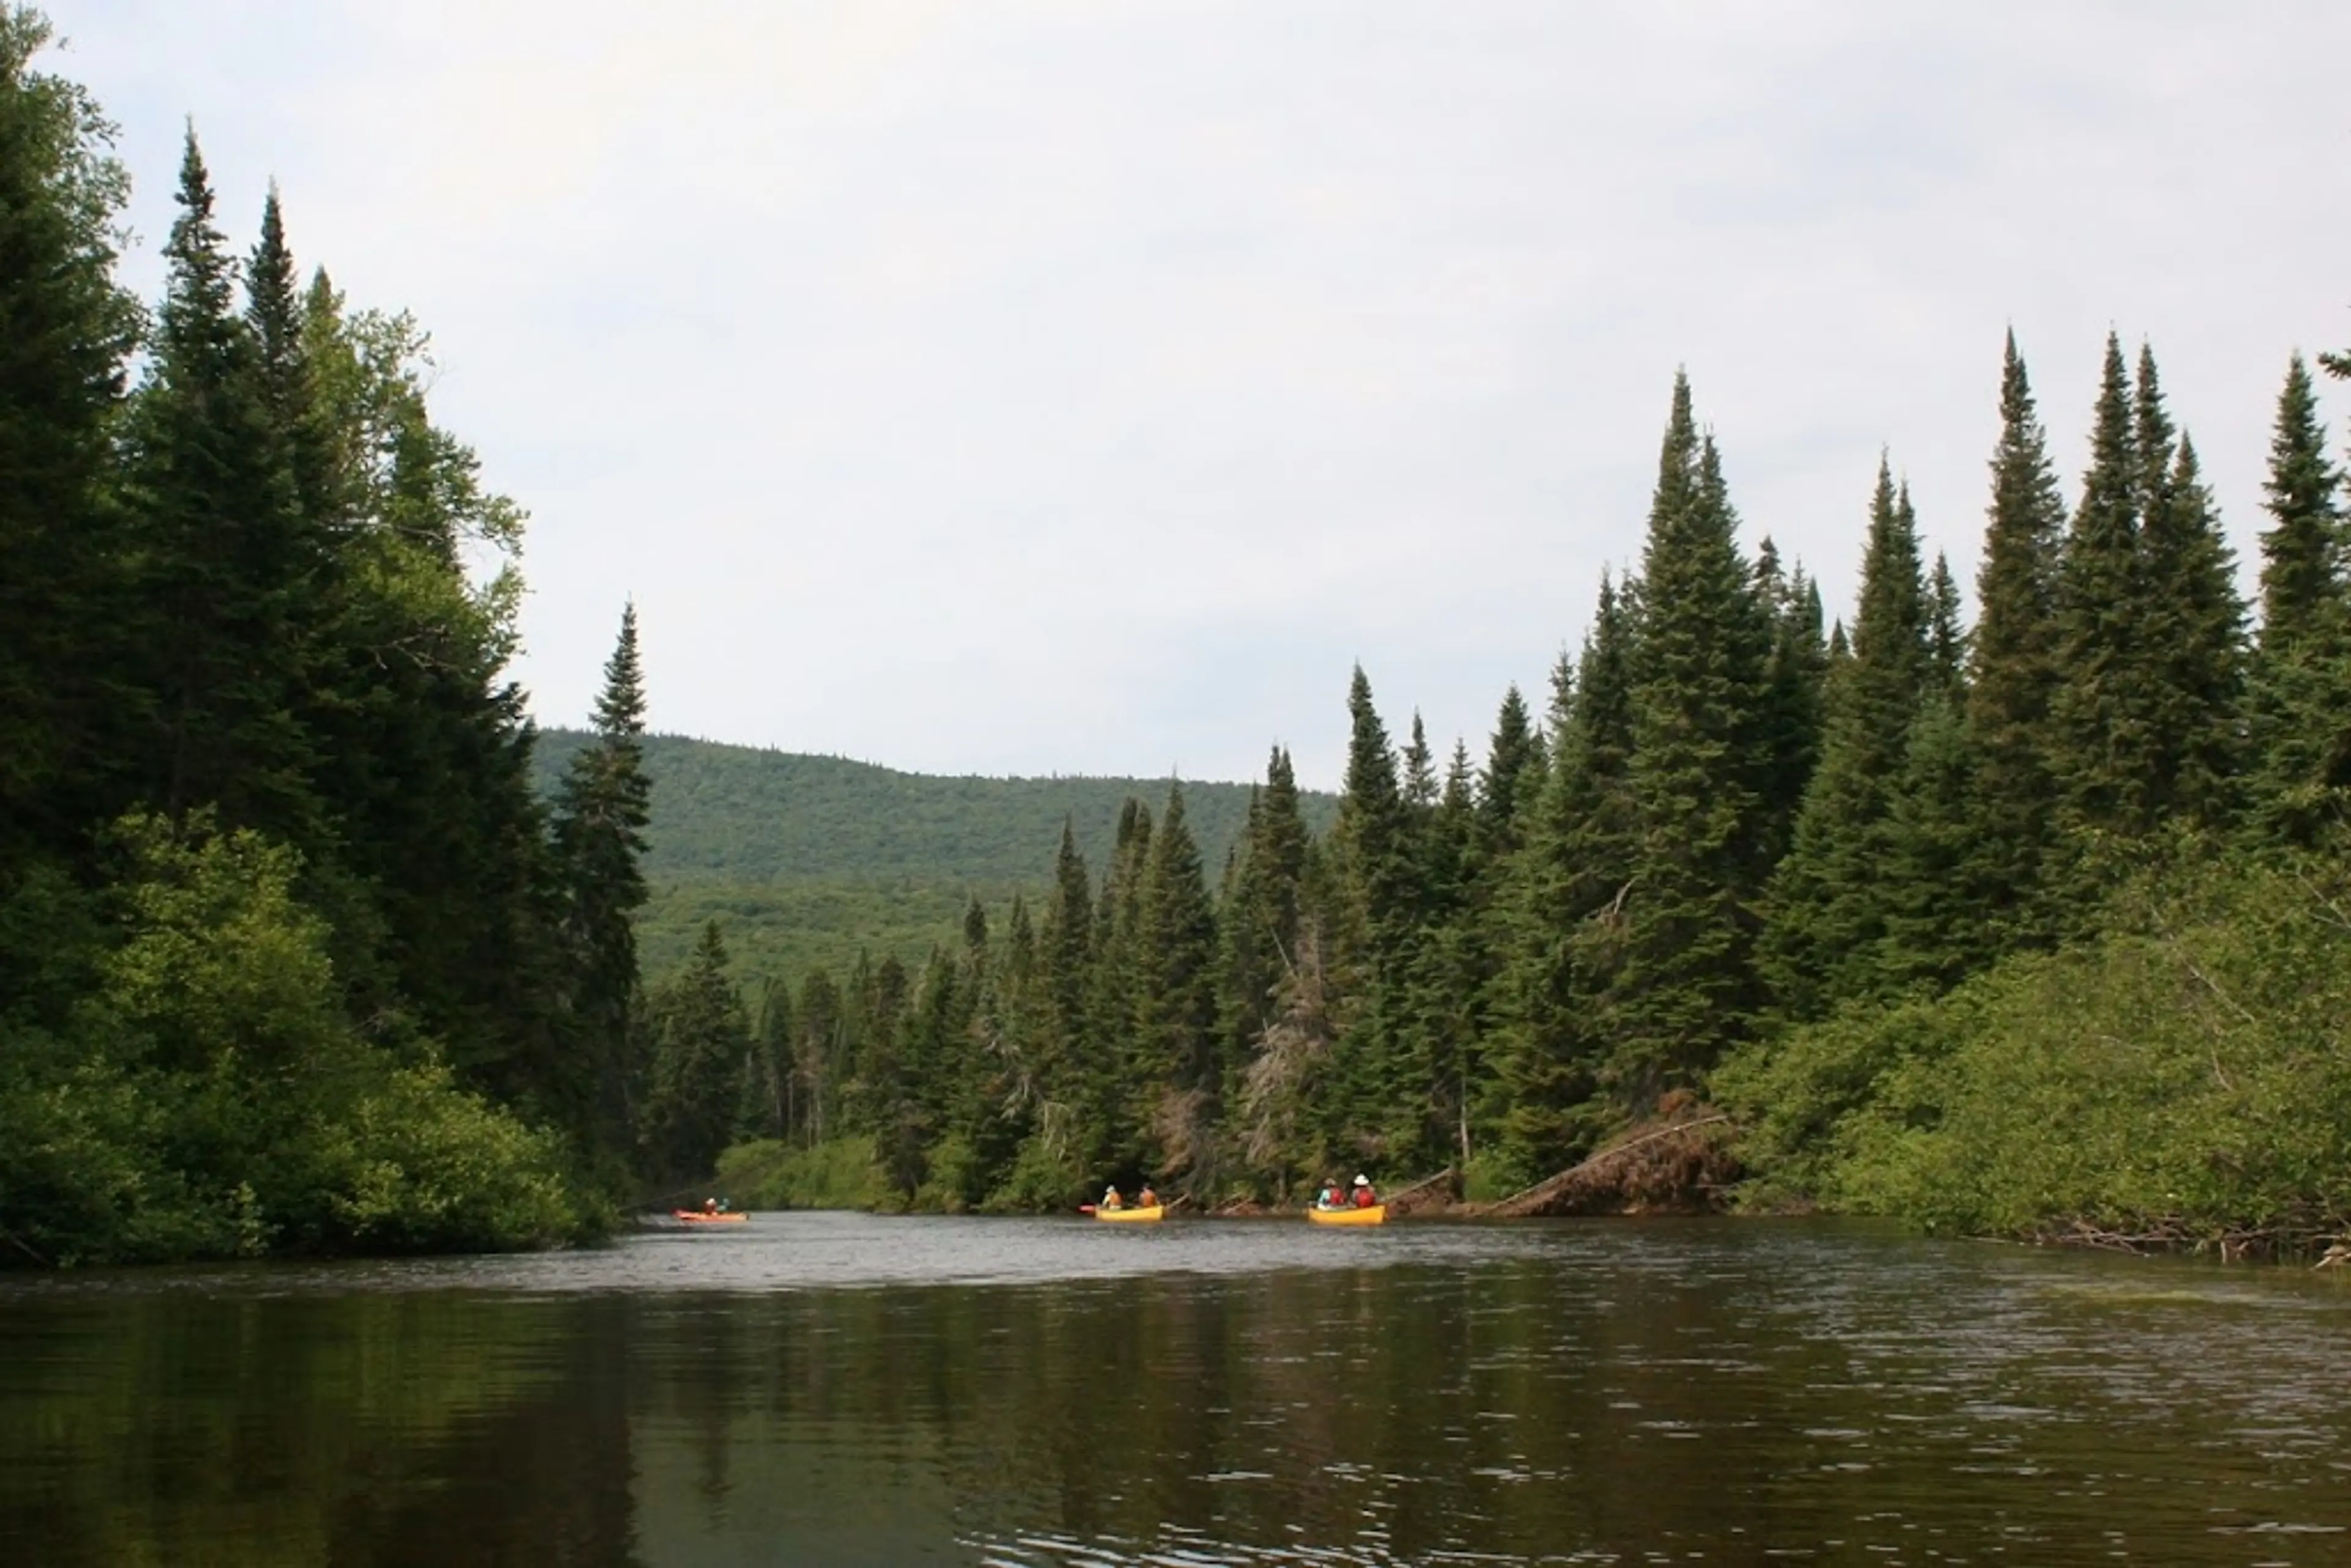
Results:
64 670
2194 630
601 809
2301 675
1559 920
1947 638
1374 842
227 561
1067 958
277 314
2102 706
1931 930
1178 1072
820 1053
1686 986
1831 895
1514 759
1258 923
1790 722
2014 674
700 1039
1428 1120
1111 1131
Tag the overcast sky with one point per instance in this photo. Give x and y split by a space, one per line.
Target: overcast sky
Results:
1083 387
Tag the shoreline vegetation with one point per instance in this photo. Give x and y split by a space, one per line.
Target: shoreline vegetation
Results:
2026 916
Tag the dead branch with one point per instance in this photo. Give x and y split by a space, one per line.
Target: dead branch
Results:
1535 1199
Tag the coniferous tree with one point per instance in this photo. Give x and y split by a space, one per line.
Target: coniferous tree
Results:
2103 728
1561 917
700 1039
2014 674
278 316
1685 986
2300 678
1947 638
2194 631
1114 1052
228 563
819 1053
771 1089
63 670
1514 765
1375 843
1830 895
422 747
1177 1069
1257 923
1450 977
1932 931
1793 679
603 806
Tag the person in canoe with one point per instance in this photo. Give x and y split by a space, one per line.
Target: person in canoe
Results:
1329 1196
1110 1198
1146 1198
1364 1197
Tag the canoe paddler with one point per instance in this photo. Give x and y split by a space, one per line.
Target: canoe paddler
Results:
1110 1198
1146 1198
1363 1195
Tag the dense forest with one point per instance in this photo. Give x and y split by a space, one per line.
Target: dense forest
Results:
2035 925
2028 917
807 860
291 955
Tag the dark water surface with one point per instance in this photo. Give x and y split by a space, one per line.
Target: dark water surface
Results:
841 1389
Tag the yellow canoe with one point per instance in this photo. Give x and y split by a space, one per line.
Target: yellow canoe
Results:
1133 1215
702 1217
1378 1213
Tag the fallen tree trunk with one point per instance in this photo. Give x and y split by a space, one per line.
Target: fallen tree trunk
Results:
1663 1170
1439 1191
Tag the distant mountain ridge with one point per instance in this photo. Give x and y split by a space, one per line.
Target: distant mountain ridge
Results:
806 859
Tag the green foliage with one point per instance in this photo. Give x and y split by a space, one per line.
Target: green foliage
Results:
840 1173
601 809
2300 706
2014 675
209 1097
309 995
748 816
68 329
1686 984
1833 895
2178 1079
701 1041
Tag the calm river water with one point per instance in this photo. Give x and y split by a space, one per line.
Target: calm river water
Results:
819 1388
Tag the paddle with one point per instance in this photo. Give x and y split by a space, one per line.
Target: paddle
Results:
1085 1208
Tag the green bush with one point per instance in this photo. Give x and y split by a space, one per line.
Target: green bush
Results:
1044 1178
840 1173
2181 1080
210 1099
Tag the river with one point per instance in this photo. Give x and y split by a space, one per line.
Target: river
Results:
844 1389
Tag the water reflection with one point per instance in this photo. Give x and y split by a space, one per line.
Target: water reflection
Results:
843 1390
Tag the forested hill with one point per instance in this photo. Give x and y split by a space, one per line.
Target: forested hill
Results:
804 858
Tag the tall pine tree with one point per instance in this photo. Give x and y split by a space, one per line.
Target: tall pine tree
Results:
603 806
2301 676
2014 674
1686 986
